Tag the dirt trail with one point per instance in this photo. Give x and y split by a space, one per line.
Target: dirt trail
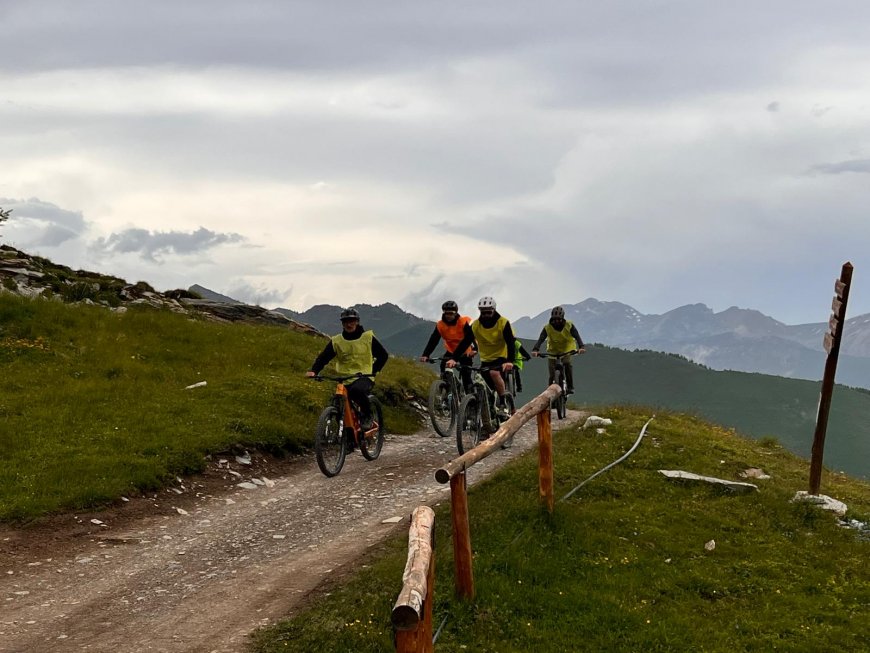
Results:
231 559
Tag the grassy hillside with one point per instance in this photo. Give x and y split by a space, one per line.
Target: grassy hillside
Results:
93 403
622 565
755 404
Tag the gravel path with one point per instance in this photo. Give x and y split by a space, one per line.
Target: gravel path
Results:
201 566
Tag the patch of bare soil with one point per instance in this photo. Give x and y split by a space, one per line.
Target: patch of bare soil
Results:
200 565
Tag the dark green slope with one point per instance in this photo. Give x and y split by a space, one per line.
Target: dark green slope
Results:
755 404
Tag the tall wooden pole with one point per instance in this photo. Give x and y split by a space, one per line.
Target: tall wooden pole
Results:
545 459
832 346
461 537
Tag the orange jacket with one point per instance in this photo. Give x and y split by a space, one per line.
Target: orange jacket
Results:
453 333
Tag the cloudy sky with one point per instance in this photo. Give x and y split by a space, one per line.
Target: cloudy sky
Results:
657 153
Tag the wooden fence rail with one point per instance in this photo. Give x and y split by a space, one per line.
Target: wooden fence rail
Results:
454 473
412 613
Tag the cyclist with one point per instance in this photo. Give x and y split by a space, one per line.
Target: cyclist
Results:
452 327
561 335
357 351
520 357
496 345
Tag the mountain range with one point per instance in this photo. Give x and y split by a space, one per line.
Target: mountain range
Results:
738 339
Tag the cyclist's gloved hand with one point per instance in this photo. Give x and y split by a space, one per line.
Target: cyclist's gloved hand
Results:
582 350
451 363
534 353
424 359
507 367
310 374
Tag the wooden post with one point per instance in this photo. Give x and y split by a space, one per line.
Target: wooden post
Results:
545 459
412 613
461 537
505 431
832 346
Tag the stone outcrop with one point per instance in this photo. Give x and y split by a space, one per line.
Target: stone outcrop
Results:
34 276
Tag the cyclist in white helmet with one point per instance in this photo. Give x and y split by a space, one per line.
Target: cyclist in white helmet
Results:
495 343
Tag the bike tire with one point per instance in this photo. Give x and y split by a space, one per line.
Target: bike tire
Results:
561 405
511 384
442 411
370 445
329 442
468 424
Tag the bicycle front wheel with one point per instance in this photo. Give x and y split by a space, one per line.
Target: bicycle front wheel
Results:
510 384
468 424
329 442
371 443
441 409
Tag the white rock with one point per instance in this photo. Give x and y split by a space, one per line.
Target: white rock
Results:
244 460
600 431
96 521
822 501
268 482
754 472
247 486
181 511
709 546
257 481
594 420
201 384
392 520
234 473
278 537
732 486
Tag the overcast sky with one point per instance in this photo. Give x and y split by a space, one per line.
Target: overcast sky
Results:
656 153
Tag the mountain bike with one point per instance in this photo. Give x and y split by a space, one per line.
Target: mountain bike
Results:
560 403
445 395
339 429
478 415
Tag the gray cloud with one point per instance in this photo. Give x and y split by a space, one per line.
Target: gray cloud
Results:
258 295
150 245
852 165
71 222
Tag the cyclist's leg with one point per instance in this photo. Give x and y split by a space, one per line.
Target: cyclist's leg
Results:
359 392
465 363
551 366
569 373
495 375
518 379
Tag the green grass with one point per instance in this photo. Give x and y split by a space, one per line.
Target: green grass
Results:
621 566
93 403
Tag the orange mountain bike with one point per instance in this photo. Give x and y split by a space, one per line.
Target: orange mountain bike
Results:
339 429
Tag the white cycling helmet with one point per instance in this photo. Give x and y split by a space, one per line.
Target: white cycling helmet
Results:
486 302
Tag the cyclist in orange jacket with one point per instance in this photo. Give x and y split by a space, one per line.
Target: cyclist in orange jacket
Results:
452 328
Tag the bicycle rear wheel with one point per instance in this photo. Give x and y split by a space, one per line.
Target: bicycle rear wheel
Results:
468 424
371 443
441 408
329 442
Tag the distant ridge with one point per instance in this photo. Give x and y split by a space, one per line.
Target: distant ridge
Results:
205 293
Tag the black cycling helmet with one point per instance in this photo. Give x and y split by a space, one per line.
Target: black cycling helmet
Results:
450 305
349 314
558 313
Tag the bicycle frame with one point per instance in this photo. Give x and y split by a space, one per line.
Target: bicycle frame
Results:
344 406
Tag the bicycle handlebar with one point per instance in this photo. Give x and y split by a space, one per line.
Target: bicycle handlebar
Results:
340 379
573 352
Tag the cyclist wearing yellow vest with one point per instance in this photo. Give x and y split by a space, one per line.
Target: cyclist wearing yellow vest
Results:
495 343
561 335
453 328
356 351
